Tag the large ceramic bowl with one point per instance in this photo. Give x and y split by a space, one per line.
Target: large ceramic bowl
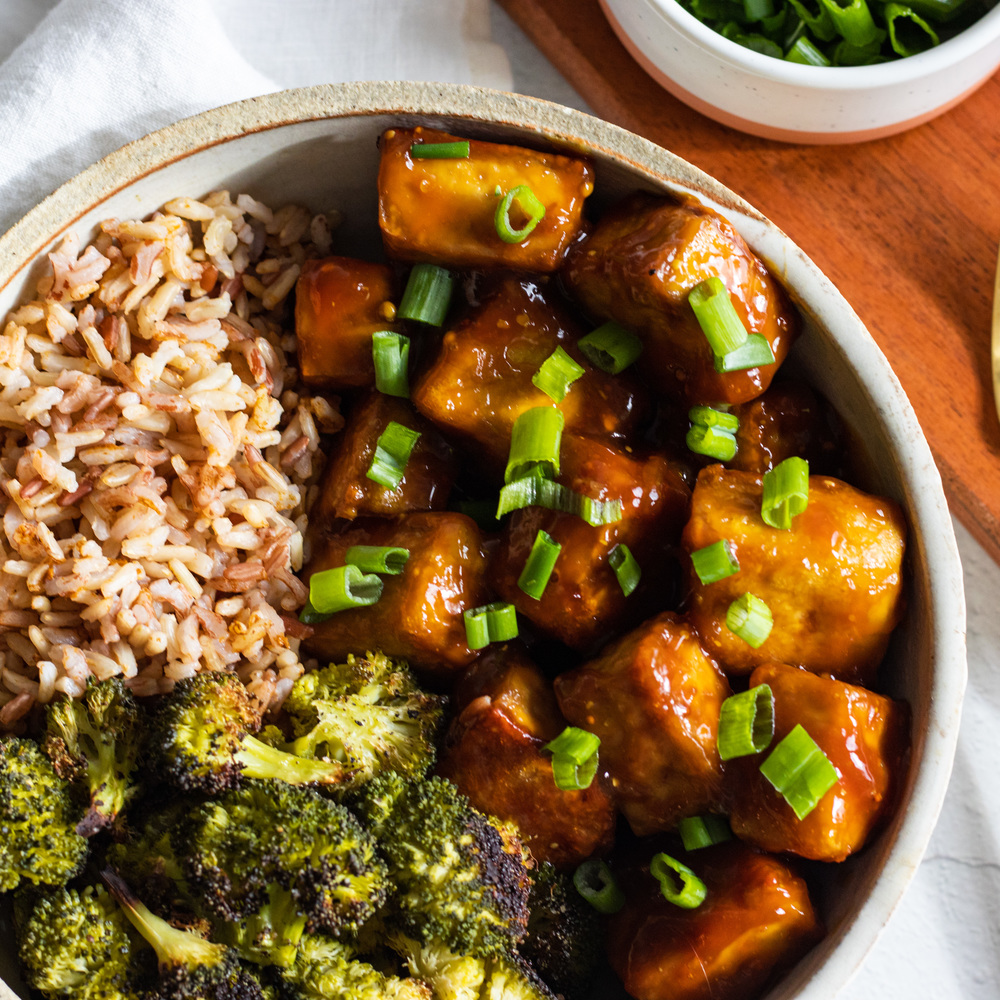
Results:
317 147
795 103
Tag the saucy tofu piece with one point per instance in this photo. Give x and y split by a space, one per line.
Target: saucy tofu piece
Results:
583 602
493 753
339 303
419 615
480 381
756 921
789 419
346 490
653 697
865 737
442 210
833 582
638 266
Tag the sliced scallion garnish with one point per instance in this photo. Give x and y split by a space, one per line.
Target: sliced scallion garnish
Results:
427 295
691 891
750 618
754 352
703 831
715 562
392 452
799 771
806 53
709 416
595 882
343 587
536 491
611 347
717 316
528 203
391 355
574 758
786 492
556 374
711 441
746 723
386 559
496 622
535 442
539 565
440 150
627 570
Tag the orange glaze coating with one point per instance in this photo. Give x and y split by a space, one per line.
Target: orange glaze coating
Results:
442 210
493 753
583 601
346 490
865 736
756 920
833 582
638 266
653 698
419 615
480 380
339 303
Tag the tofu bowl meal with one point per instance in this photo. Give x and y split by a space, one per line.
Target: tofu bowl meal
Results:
452 548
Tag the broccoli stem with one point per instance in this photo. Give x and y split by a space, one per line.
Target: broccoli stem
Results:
262 761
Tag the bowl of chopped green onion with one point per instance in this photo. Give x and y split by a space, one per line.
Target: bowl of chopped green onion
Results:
814 71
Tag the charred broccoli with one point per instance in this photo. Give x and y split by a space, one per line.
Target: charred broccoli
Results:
368 714
201 737
93 741
286 848
38 838
190 967
74 944
460 876
563 942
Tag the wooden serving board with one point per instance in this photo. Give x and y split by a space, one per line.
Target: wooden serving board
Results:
906 227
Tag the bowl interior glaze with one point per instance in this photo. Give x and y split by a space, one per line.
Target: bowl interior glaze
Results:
317 146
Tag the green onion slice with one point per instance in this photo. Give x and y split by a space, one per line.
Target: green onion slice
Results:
758 10
627 570
853 21
750 618
529 205
611 347
710 417
392 452
556 374
711 441
909 33
786 492
385 559
535 491
754 352
595 882
746 723
703 831
333 590
310 616
717 316
391 355
535 441
715 562
691 891
427 295
538 567
574 758
496 622
440 150
800 771
804 52
572 777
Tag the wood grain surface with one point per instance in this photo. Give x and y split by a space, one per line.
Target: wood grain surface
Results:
906 227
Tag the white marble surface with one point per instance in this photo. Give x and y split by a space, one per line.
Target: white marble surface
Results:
944 940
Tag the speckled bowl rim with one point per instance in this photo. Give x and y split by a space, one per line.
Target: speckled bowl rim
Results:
551 122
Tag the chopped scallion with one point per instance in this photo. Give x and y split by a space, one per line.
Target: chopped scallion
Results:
556 374
703 831
754 352
440 150
535 441
539 565
691 891
391 355
386 559
800 771
496 622
595 882
392 452
806 53
427 295
717 316
611 347
711 417
343 587
750 618
574 758
746 723
535 491
711 441
528 204
715 562
786 492
627 570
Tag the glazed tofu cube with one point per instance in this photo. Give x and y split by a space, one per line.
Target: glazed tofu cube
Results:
756 921
479 383
833 582
653 697
638 266
583 602
493 753
419 615
865 737
442 210
346 490
339 303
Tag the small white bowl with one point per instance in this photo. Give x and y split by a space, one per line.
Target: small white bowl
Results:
792 102
317 147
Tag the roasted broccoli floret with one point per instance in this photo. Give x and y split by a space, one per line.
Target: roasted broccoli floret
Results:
368 714
456 976
563 942
93 741
272 935
38 838
325 969
250 840
460 876
201 737
74 944
190 967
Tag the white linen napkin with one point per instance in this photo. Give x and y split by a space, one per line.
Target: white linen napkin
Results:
90 75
